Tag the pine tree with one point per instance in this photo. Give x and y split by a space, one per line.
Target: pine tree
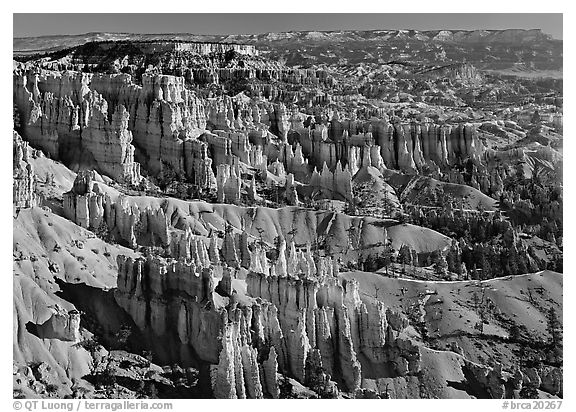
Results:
441 265
405 257
554 327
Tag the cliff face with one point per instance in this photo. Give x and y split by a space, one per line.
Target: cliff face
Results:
408 147
295 316
176 226
90 207
62 116
174 129
61 325
207 327
163 116
228 184
24 179
158 293
296 306
109 142
200 63
337 185
463 72
328 315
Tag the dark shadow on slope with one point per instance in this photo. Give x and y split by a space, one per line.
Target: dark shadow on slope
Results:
101 315
115 329
164 386
470 385
32 328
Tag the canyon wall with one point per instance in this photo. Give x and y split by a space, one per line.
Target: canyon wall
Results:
99 120
295 311
62 116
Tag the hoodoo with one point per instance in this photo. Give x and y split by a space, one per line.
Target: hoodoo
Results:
308 214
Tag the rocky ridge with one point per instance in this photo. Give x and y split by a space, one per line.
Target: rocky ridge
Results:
266 211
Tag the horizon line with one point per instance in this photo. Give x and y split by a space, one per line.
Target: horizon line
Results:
284 31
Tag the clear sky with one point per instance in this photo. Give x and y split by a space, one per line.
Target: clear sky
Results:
27 25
